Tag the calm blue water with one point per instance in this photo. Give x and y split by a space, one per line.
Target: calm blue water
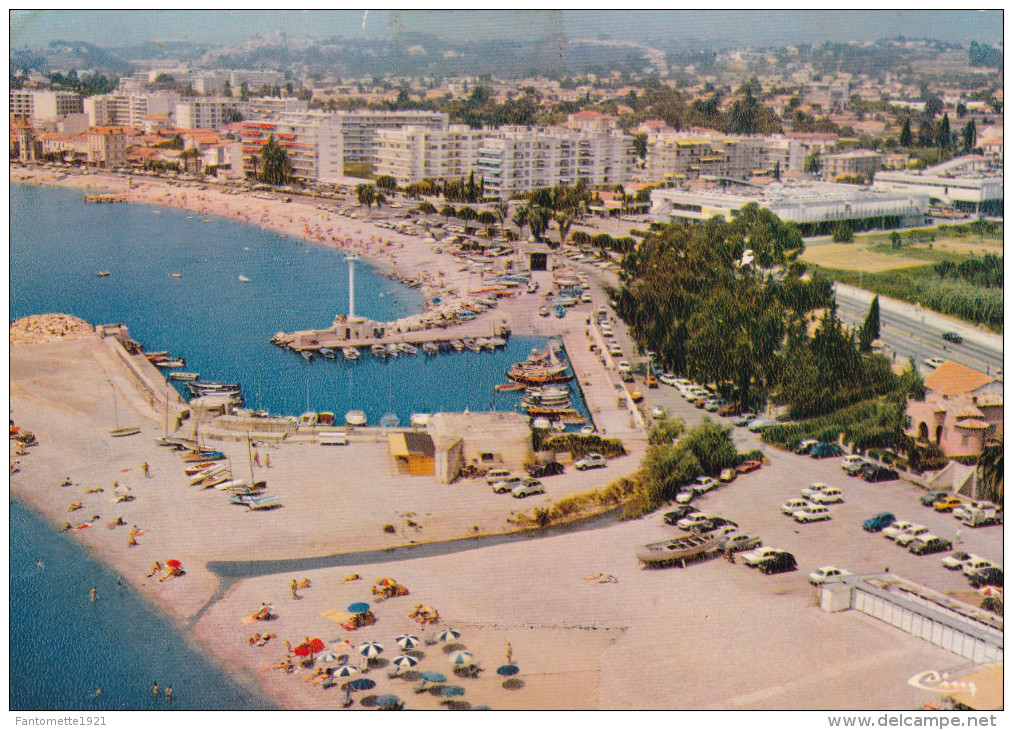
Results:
222 326
63 647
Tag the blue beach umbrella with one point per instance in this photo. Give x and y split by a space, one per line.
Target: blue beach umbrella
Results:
403 661
345 671
388 701
452 691
482 707
508 670
429 676
362 683
358 608
370 649
461 658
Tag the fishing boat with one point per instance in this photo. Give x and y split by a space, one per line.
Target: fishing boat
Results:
160 355
420 420
495 342
430 348
327 352
350 353
457 345
378 350
540 402
407 348
355 418
537 375
307 355
509 386
243 278
392 350
103 273
678 549
471 343
209 387
125 431
184 376
325 418
483 343
549 391
175 362
560 311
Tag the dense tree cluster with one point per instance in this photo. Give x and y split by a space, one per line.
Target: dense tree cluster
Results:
986 271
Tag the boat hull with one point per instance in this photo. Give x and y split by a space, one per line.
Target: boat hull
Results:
680 549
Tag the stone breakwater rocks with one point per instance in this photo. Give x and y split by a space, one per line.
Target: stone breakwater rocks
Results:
48 328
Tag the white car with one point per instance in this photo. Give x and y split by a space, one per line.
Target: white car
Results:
896 528
668 379
591 461
623 367
615 349
828 574
736 541
527 488
685 496
658 412
703 484
975 564
957 560
812 514
814 488
755 557
908 535
688 523
852 463
934 362
506 485
830 495
794 505
497 475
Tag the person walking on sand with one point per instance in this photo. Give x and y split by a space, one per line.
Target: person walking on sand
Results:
295 589
144 468
509 654
267 460
256 458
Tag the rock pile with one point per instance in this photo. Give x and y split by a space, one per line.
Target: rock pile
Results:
48 328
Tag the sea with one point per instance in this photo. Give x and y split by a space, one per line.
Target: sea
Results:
64 648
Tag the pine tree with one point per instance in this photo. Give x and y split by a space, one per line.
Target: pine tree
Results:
969 134
905 133
943 133
870 328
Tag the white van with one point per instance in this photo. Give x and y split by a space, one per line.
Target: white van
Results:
623 367
812 514
332 438
497 475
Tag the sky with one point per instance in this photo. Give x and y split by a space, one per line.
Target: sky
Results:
37 28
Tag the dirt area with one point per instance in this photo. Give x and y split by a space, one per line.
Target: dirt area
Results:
856 257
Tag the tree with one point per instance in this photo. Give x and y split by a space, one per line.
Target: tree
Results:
427 208
870 328
895 240
564 221
520 218
379 199
501 209
943 133
990 473
812 163
711 444
538 221
387 183
969 136
777 171
905 133
447 211
486 218
366 194
276 168
961 110
640 145
925 134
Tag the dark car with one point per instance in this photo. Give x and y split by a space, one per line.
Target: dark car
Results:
683 510
927 547
953 337
548 469
712 524
986 577
778 563
932 497
879 522
822 451
878 474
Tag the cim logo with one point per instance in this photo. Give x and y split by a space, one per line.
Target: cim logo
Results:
935 682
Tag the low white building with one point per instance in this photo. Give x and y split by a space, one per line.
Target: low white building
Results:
971 182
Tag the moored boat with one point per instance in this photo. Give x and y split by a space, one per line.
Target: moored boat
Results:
677 549
420 420
393 350
355 418
407 348
184 376
378 350
327 352
176 362
430 348
350 353
471 343
103 273
307 355
457 345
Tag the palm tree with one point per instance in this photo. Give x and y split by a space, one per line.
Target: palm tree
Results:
501 209
366 194
564 221
990 475
486 218
520 218
446 211
467 214
254 160
538 221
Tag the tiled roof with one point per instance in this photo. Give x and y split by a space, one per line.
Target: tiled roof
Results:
952 378
971 423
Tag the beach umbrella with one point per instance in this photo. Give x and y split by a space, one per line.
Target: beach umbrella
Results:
403 661
358 608
311 646
508 670
451 691
429 676
388 701
362 683
345 671
173 563
461 658
448 634
482 707
407 641
991 592
370 649
331 656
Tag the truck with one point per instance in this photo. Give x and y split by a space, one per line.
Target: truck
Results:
981 516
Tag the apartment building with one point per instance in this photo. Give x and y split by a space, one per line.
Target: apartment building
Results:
412 153
313 143
128 108
863 163
971 183
34 104
206 112
107 146
359 128
678 156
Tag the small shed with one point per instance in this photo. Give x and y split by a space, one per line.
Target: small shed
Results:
411 453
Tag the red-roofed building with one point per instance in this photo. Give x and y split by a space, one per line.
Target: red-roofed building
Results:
591 122
962 408
107 146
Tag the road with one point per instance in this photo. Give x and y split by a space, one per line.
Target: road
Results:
911 331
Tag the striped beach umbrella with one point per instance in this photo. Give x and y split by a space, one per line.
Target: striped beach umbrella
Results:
449 634
461 658
330 655
407 641
370 649
403 661
345 671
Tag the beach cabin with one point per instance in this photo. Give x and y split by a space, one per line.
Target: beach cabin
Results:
411 453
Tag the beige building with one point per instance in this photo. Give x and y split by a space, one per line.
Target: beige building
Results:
499 439
864 163
107 146
412 153
34 104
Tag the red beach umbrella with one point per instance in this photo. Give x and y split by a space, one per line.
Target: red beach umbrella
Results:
173 563
313 646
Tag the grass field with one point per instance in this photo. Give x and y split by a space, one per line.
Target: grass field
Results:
856 257
874 254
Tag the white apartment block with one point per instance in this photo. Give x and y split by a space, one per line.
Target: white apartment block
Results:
517 159
128 109
679 156
856 162
313 144
358 128
262 106
35 104
412 153
206 112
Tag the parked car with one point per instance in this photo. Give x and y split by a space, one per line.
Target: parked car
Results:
497 475
754 557
906 537
691 521
928 544
749 465
934 362
678 513
965 510
830 495
975 564
805 446
957 560
931 498
685 495
953 337
738 541
814 513
703 484
852 464
947 504
823 450
527 488
591 461
986 577
878 522
794 505
506 485
650 381
548 469
781 562
828 574
658 412
668 379
896 528
727 475
815 487
878 474
623 367
714 523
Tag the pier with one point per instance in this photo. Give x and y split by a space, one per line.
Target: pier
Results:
313 340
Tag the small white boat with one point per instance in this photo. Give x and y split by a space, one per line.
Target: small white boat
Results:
471 343
307 355
420 420
541 423
407 348
243 278
457 345
125 431
430 348
483 343
309 418
495 342
327 352
378 350
355 418
176 362
350 353
393 350
183 376
678 549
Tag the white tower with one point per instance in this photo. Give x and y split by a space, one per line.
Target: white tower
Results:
351 284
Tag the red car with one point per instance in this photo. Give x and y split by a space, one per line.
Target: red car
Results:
748 466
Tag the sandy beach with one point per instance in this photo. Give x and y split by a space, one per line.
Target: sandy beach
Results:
588 627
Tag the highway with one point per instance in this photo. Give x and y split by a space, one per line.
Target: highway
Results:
911 331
